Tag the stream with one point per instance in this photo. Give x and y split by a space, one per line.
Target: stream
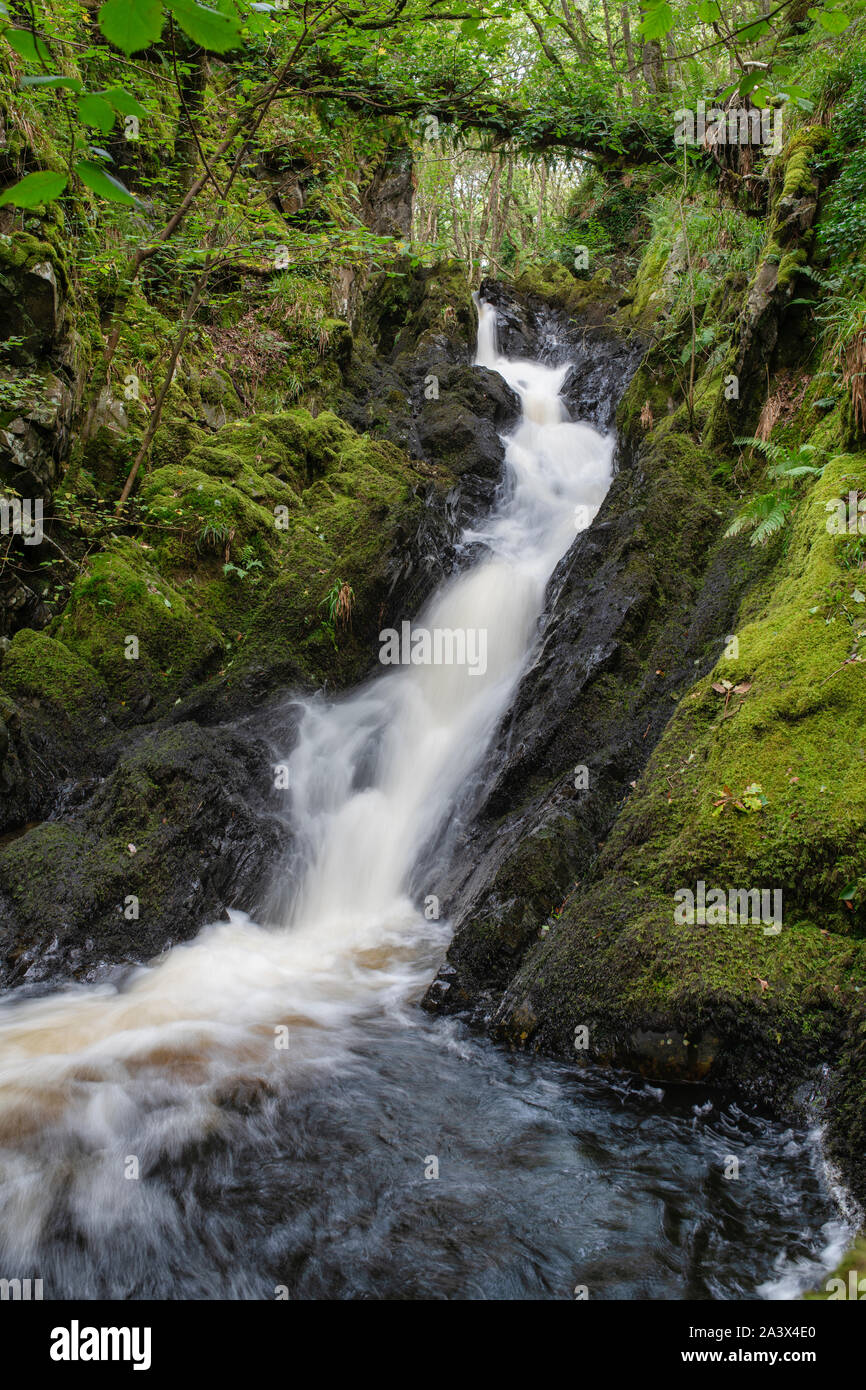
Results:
267 1112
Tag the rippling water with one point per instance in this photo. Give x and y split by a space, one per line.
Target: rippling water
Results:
548 1179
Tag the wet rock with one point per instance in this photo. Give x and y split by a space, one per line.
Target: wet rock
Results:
31 300
175 835
410 381
635 610
601 360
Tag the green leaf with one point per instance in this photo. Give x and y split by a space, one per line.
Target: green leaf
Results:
27 46
131 24
748 82
709 11
98 180
205 26
754 31
93 111
834 21
56 80
124 102
659 20
34 189
849 892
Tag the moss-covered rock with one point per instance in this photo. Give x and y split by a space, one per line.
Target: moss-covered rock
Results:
257 525
33 283
757 783
136 629
38 667
760 339
176 834
556 284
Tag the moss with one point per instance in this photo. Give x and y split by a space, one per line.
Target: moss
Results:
342 530
38 667
120 595
852 1273
790 266
758 1001
796 732
650 383
34 870
407 304
555 283
798 160
174 440
207 515
294 503
22 251
648 289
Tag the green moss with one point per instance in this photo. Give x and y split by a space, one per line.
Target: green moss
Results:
558 285
651 384
121 595
798 161
852 1273
22 251
337 532
34 869
294 502
648 287
38 667
407 304
790 266
797 731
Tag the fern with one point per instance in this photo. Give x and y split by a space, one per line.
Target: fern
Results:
766 514
772 523
763 446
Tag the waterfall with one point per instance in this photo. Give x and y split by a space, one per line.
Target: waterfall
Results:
430 723
373 778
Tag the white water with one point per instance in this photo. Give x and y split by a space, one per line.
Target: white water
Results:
374 778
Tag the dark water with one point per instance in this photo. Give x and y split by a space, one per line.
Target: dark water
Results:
549 1178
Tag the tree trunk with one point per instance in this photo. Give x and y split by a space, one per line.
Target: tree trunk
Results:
629 54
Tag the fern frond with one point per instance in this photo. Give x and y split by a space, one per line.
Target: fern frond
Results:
739 524
798 471
772 523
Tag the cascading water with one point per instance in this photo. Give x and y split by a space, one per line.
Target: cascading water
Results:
285 1068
